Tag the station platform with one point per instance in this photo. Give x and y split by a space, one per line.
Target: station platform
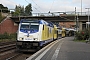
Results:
63 49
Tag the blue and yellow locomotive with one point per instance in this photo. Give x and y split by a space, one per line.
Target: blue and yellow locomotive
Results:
33 34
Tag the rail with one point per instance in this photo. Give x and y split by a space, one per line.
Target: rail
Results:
12 57
7 47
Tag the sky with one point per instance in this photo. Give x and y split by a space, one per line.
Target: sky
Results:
44 6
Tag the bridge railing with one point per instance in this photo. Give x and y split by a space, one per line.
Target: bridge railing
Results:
44 14
55 14
61 14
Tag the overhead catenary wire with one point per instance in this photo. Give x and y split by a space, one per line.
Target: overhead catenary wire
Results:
33 6
37 5
40 7
19 4
51 6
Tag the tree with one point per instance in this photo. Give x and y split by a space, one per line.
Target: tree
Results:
3 9
22 10
28 9
19 10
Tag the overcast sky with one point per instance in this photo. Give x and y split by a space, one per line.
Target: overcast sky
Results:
45 6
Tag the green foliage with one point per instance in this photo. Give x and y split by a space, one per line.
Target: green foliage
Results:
28 9
4 9
21 11
7 36
81 35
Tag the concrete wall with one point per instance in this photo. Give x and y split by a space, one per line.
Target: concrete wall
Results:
7 25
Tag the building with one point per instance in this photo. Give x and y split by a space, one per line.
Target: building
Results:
8 26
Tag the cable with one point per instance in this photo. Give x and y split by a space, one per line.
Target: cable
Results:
33 6
37 5
51 6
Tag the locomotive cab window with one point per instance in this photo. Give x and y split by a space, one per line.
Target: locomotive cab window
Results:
30 26
24 26
34 26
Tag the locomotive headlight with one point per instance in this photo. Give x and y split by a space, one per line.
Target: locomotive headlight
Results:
36 39
20 38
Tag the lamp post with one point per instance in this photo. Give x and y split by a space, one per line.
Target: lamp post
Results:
77 23
75 19
88 17
88 24
81 7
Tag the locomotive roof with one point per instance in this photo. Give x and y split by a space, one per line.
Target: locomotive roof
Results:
36 21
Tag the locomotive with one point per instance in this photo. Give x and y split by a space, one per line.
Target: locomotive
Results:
34 34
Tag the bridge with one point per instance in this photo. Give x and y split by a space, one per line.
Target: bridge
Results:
62 17
54 17
68 20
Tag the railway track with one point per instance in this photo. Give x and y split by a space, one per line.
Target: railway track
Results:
13 55
7 43
19 56
7 47
8 52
